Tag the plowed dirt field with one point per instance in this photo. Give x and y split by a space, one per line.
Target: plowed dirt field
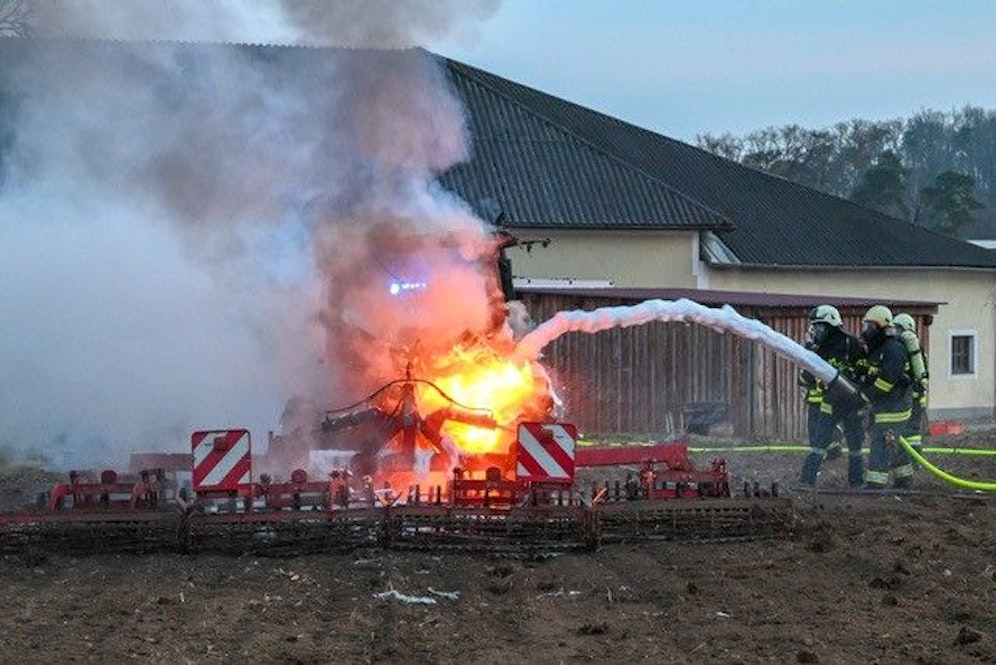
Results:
885 578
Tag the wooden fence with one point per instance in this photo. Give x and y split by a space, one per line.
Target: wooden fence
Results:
660 378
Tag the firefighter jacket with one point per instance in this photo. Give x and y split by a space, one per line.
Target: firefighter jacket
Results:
847 354
887 384
812 386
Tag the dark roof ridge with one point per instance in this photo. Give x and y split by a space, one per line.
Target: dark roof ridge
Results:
212 43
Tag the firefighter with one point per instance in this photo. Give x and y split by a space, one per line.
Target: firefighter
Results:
887 388
906 327
846 353
813 396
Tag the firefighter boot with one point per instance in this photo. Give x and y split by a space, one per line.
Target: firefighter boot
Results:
834 451
903 468
855 470
810 467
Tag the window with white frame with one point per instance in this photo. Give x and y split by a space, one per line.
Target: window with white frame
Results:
962 352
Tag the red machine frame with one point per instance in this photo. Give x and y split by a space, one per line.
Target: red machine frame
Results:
665 471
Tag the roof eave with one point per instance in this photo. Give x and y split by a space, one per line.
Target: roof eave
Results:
714 297
617 227
836 268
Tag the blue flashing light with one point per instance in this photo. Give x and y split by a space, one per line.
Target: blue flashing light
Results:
396 288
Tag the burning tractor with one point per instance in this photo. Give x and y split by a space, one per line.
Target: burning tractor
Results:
414 431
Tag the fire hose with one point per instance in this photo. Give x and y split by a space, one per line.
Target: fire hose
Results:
980 486
792 448
975 485
796 448
944 475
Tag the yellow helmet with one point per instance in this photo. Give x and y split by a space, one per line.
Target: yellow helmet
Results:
904 322
880 315
826 314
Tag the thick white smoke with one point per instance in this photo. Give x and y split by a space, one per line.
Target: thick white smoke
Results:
183 225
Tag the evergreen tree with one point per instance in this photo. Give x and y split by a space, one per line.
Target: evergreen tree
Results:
949 203
883 187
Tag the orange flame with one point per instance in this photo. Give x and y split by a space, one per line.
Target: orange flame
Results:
481 382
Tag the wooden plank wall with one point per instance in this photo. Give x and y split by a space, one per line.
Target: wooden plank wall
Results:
639 380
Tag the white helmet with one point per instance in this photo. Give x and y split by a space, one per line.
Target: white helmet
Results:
880 315
904 322
826 314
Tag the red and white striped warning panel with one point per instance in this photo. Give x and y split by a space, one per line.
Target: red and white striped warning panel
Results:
546 452
222 459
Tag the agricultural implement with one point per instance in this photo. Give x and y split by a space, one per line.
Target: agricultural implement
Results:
544 495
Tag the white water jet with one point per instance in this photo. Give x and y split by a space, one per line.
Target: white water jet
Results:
722 319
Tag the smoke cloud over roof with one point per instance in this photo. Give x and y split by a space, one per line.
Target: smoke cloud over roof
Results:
191 232
354 23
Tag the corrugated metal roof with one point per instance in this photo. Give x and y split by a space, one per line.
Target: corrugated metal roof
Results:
553 163
542 175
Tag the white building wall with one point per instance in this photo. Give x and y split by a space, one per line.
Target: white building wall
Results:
968 308
670 260
626 258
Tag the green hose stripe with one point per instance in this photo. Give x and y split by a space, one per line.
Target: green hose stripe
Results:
960 451
752 449
943 475
806 449
784 448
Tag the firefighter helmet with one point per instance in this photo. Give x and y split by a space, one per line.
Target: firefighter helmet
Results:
904 322
880 315
826 314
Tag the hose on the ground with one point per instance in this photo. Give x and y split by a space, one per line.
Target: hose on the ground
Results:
981 452
944 475
963 483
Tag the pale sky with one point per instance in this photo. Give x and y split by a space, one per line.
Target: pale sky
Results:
712 66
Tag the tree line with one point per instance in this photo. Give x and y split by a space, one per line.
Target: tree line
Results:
935 169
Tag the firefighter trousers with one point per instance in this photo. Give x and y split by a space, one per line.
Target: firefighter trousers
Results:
822 433
914 429
888 460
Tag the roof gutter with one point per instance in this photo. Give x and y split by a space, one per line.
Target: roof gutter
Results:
841 268
509 225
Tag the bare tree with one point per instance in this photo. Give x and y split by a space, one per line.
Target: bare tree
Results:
15 18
